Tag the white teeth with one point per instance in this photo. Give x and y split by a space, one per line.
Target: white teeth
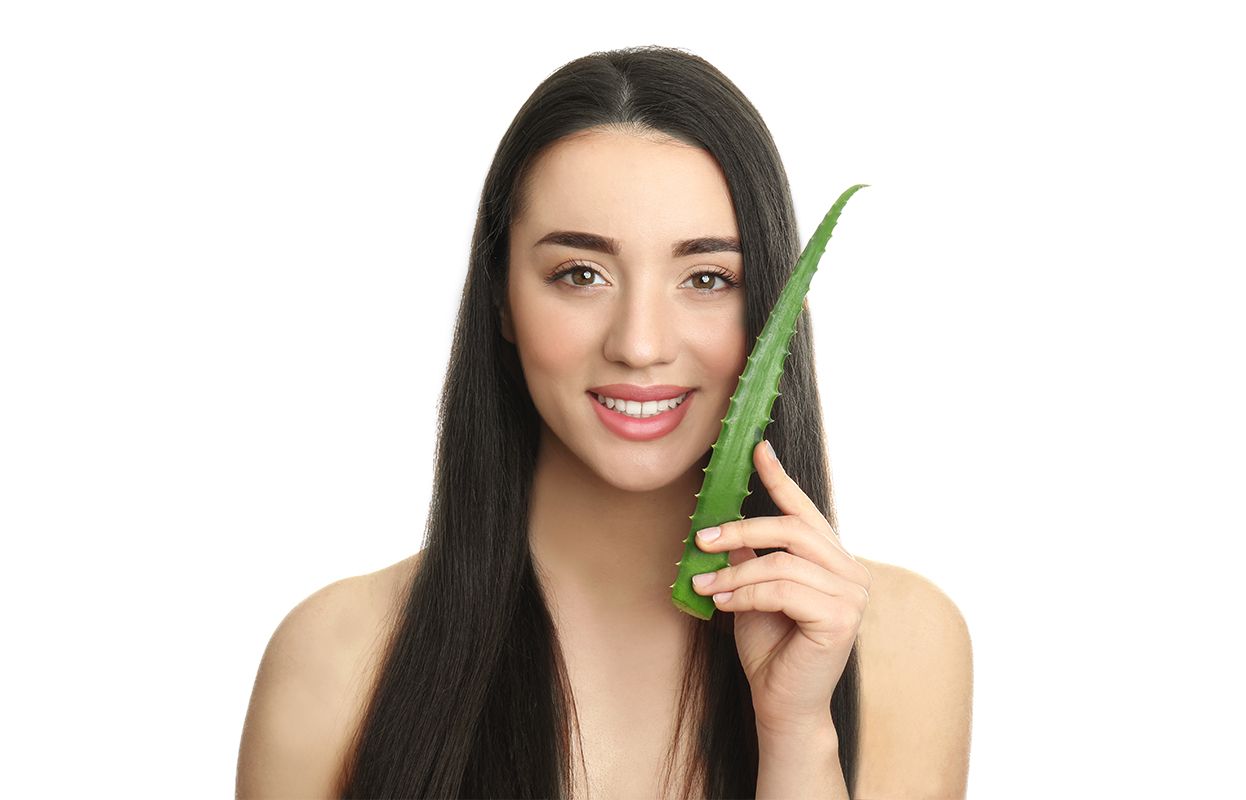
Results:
633 408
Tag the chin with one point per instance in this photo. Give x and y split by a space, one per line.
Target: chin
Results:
643 476
641 484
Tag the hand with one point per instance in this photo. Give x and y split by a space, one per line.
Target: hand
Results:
797 613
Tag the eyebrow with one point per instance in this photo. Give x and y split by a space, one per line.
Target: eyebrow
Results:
604 244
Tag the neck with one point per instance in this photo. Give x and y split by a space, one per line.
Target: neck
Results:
605 554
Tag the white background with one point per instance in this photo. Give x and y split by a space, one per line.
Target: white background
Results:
234 236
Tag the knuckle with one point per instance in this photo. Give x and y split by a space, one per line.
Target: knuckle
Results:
848 617
867 580
783 559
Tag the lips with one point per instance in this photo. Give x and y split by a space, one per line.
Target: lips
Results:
641 430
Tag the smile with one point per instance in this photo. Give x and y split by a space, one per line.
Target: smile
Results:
639 410
646 421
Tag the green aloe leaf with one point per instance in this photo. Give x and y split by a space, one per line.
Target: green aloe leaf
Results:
731 463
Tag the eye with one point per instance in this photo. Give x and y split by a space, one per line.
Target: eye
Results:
577 271
700 282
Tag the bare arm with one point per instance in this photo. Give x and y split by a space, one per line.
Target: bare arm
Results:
306 700
801 766
917 692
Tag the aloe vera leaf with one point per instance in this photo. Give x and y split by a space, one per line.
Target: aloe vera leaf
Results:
731 464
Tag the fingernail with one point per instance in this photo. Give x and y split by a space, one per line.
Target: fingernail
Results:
771 449
709 534
703 580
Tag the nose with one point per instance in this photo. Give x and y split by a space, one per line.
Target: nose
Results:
642 330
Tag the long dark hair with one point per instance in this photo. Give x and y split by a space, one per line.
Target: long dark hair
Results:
472 697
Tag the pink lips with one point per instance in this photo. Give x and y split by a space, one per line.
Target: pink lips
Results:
641 430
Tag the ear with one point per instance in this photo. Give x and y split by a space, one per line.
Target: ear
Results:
508 327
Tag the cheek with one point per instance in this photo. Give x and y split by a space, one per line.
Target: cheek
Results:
724 352
552 338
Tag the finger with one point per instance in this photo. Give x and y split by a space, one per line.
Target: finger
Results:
781 566
786 493
814 611
790 533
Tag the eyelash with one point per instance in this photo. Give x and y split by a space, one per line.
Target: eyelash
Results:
730 279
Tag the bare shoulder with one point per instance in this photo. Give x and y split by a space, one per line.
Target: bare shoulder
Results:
313 683
391 584
895 588
916 662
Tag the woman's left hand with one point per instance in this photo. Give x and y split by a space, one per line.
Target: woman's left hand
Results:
797 613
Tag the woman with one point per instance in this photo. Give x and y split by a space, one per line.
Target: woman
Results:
634 231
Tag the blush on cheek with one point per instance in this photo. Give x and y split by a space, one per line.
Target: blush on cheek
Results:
560 343
560 351
731 355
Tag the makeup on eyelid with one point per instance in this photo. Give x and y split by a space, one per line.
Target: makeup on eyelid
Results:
727 277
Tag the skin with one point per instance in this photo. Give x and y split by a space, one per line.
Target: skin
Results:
609 515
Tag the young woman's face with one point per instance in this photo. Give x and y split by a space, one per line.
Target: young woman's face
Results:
646 314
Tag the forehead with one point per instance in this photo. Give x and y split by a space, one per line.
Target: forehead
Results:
628 187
